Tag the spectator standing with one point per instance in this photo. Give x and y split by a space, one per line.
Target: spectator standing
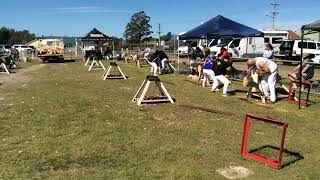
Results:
268 52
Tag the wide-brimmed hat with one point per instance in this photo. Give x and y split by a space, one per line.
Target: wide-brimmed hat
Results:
307 55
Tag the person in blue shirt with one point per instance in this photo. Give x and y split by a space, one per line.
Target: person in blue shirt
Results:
208 72
210 64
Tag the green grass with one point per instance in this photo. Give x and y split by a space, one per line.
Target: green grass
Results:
67 123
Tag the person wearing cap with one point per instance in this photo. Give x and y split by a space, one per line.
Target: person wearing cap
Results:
267 70
307 69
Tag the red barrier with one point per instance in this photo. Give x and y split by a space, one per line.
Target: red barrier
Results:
275 163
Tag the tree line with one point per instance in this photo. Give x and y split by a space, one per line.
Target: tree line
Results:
137 31
12 36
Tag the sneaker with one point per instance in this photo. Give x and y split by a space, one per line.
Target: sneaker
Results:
225 95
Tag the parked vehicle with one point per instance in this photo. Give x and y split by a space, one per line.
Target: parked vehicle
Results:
5 48
275 37
51 50
251 46
33 49
21 47
316 59
183 46
245 47
291 49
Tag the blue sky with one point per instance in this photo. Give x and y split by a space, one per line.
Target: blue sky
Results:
77 17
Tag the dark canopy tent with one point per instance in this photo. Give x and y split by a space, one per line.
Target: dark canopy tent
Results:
98 37
220 26
312 27
306 29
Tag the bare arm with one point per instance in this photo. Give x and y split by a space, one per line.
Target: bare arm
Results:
295 69
305 68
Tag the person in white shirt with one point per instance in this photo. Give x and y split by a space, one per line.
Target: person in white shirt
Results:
268 72
268 52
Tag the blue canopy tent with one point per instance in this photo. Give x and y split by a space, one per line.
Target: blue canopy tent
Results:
219 27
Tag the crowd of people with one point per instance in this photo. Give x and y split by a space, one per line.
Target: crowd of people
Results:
218 68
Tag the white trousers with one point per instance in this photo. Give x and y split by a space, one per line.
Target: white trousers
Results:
217 80
208 73
268 85
222 80
154 68
163 63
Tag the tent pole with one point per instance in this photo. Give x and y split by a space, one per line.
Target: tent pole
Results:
300 69
112 49
178 56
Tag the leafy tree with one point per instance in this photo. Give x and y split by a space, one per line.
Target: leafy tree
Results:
138 27
11 36
166 37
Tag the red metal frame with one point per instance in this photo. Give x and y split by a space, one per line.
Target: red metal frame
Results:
275 163
304 103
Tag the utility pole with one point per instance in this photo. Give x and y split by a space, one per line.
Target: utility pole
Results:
159 32
273 13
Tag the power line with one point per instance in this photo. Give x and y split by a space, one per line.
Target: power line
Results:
273 14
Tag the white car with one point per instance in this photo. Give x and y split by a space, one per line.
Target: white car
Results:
5 48
21 48
316 59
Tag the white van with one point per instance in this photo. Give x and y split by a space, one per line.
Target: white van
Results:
244 47
183 45
252 46
275 37
291 49
21 48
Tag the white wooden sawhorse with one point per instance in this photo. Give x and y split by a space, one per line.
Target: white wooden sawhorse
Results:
141 97
5 68
97 63
108 75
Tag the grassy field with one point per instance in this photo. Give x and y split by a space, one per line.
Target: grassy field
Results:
59 121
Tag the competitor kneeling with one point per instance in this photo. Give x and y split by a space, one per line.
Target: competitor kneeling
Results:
267 71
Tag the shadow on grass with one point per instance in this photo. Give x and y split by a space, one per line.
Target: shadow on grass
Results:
119 77
291 156
59 61
235 92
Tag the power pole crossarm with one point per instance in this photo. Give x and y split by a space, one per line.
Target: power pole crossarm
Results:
273 14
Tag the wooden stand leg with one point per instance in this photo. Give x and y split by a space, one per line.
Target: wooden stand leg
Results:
135 96
87 62
91 66
138 63
107 73
5 68
124 77
101 64
143 93
166 93
174 69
